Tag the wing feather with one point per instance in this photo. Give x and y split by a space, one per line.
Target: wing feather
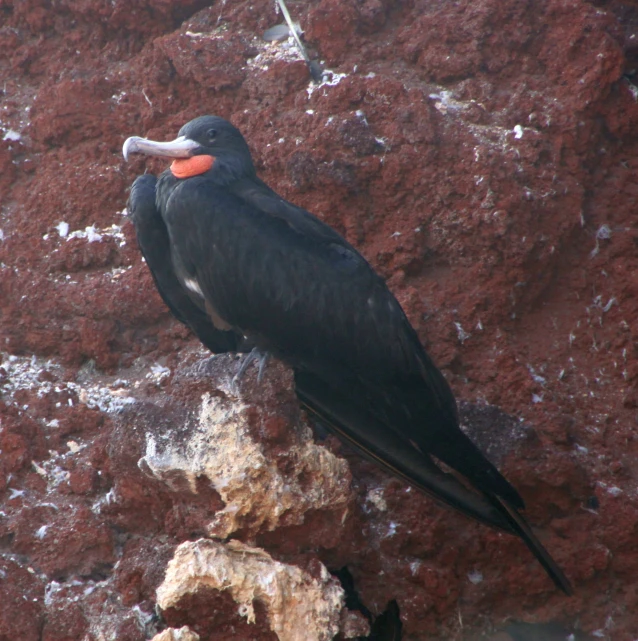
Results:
297 289
153 240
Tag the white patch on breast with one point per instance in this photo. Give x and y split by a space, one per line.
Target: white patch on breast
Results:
193 285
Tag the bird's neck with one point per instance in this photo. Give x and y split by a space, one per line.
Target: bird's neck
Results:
230 169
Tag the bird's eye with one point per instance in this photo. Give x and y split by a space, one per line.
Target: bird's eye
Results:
212 134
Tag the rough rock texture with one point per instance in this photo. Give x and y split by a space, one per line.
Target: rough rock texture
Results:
258 491
297 605
177 634
482 155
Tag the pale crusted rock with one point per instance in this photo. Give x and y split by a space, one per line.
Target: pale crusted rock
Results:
298 606
257 494
177 634
353 625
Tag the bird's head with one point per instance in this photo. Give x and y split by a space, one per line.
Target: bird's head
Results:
207 145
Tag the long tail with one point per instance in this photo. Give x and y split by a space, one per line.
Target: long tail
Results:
521 528
374 440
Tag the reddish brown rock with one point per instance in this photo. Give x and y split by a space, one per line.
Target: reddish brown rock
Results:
22 598
481 155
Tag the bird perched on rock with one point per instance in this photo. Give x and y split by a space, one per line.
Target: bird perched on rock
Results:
240 265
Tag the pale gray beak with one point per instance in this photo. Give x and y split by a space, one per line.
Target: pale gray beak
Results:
181 147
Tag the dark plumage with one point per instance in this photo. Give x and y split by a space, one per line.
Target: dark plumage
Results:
152 237
233 259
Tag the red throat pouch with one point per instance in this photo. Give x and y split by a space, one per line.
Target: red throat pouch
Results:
187 167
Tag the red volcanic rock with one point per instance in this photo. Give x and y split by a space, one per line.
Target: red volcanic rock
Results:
22 598
480 154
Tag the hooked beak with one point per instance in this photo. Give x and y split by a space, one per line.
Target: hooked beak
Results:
181 147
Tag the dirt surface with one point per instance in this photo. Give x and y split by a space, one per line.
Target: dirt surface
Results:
481 154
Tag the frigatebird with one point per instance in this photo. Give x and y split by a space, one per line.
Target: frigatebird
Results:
237 262
154 243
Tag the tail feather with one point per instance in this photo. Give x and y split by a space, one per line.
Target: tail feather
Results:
521 528
462 454
381 445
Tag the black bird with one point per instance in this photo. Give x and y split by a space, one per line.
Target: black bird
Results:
260 269
152 237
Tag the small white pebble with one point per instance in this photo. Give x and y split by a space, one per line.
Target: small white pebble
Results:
63 229
11 135
475 577
73 447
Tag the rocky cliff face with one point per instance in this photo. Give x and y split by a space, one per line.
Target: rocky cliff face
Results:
483 156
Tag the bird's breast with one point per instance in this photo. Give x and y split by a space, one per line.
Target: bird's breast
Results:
218 321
